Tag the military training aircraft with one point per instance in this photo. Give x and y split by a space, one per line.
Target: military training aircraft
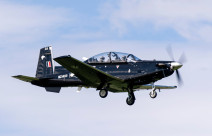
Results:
110 71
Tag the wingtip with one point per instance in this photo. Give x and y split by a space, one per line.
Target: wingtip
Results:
16 76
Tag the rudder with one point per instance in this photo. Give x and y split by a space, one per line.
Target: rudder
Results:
45 66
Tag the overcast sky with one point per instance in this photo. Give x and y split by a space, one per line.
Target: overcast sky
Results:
86 28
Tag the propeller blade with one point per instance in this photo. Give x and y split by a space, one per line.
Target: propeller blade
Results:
179 79
176 65
182 59
170 52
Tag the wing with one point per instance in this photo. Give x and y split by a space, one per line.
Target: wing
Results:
149 86
88 74
25 78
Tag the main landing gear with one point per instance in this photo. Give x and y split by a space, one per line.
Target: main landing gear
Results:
103 93
131 97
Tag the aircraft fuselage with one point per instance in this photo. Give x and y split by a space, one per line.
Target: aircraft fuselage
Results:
122 70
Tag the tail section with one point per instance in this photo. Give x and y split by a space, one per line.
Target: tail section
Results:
45 66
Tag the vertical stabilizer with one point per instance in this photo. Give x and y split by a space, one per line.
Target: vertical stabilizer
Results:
45 66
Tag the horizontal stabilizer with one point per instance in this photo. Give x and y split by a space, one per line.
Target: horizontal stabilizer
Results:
25 78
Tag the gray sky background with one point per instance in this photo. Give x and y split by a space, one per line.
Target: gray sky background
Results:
84 29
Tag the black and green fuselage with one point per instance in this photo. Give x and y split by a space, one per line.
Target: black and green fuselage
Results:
131 72
109 71
112 70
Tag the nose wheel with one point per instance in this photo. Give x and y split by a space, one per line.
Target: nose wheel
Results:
103 93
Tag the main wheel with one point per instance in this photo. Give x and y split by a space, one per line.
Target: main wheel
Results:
130 101
103 93
153 94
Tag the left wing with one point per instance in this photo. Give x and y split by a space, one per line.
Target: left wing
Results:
88 74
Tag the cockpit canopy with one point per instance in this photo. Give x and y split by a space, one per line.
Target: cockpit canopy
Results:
109 57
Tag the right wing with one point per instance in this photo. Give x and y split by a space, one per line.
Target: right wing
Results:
149 86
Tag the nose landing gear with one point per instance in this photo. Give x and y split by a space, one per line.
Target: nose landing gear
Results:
153 94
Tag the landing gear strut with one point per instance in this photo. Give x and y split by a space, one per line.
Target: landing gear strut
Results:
103 93
131 97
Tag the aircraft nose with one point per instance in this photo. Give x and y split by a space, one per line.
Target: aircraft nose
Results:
176 65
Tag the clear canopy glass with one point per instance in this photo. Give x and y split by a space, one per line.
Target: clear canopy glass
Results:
109 57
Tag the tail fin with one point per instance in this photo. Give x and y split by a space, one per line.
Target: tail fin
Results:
45 66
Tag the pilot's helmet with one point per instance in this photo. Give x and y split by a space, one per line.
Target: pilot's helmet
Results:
102 59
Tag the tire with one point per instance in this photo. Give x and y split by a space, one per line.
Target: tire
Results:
130 101
153 94
103 93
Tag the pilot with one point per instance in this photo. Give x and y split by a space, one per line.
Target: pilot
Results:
124 58
116 57
102 59
95 60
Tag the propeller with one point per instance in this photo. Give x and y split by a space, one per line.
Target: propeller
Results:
176 65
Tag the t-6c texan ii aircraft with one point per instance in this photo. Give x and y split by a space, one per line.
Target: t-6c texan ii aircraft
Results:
107 72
